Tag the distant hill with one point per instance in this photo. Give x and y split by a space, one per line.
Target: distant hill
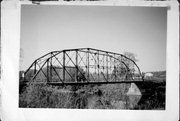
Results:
158 76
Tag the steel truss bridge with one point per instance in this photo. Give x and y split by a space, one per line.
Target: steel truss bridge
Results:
83 66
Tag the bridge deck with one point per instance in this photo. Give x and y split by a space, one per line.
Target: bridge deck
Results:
87 83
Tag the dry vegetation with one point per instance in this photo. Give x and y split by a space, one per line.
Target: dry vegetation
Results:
92 97
82 97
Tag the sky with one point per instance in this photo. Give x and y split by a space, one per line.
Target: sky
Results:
139 30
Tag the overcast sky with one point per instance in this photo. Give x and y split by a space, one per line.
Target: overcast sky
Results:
141 30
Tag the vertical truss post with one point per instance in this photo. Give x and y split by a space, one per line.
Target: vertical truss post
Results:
95 62
64 66
47 70
98 64
76 76
51 67
35 67
103 65
110 68
107 66
115 68
88 63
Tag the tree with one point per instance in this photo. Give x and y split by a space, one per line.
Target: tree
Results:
130 63
125 72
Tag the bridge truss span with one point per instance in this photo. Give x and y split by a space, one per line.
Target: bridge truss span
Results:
83 66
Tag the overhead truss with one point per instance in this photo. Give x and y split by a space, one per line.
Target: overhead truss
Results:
82 66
